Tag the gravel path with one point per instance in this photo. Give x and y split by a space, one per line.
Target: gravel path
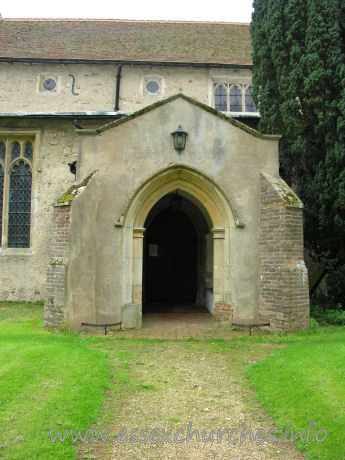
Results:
181 383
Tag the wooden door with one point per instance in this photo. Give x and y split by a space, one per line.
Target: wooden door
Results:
170 255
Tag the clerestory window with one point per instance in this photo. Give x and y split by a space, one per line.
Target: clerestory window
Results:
16 157
233 97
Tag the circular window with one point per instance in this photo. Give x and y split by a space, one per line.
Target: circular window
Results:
49 84
152 86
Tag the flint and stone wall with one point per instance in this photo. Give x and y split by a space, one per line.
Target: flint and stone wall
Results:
23 271
95 86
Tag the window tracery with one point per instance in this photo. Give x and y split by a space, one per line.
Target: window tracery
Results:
233 97
16 157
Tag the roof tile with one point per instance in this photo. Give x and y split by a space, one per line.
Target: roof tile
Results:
121 40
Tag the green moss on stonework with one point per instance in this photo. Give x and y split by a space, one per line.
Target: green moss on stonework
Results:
284 192
57 262
287 195
290 198
73 190
148 108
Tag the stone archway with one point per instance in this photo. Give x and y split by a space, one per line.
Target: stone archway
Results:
178 259
217 210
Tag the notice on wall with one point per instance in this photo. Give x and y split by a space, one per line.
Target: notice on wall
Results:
153 250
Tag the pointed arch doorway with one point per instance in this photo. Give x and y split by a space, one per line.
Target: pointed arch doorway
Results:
177 256
214 219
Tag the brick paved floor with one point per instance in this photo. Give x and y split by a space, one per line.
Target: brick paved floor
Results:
179 322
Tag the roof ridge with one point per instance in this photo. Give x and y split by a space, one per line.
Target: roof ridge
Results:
158 21
207 108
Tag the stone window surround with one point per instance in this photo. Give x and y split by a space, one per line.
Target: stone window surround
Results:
22 136
235 77
40 81
153 77
228 85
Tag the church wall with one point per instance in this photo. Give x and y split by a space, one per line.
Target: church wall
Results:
23 271
22 86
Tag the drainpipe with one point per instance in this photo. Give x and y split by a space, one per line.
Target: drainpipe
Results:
117 97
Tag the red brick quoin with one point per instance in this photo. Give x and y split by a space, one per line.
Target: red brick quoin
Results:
222 311
56 270
283 282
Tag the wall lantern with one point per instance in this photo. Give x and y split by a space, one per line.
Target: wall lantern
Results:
179 137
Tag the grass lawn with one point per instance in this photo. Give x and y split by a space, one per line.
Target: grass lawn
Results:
305 382
62 380
46 381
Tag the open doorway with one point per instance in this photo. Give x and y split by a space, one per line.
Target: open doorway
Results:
177 265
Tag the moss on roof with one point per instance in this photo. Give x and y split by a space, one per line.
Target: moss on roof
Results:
73 191
286 194
119 40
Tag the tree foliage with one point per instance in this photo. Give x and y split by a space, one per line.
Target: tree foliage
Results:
299 87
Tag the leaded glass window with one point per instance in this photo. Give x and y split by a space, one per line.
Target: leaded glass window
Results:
28 152
16 160
19 209
220 98
235 99
1 198
15 150
152 86
2 151
250 106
